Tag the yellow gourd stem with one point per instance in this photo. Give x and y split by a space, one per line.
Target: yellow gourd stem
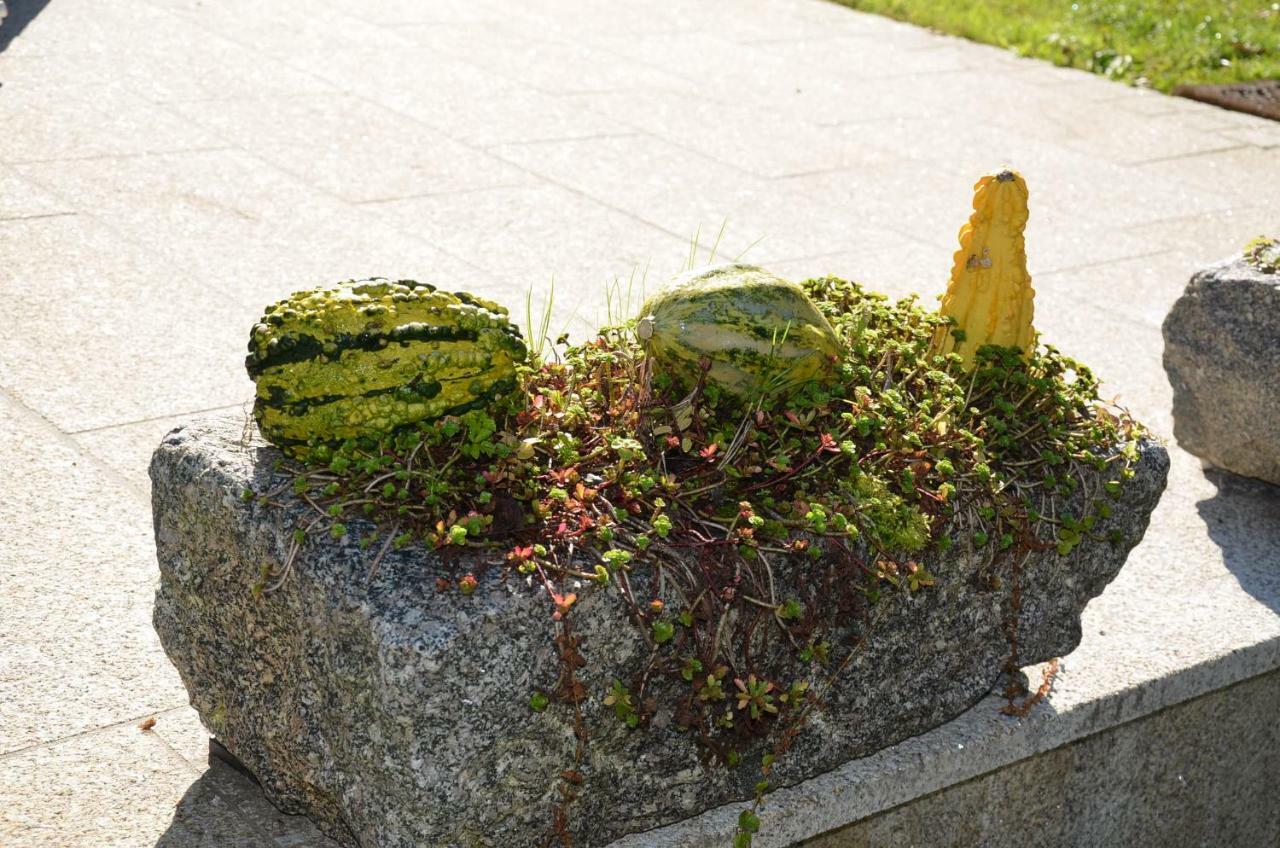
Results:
990 295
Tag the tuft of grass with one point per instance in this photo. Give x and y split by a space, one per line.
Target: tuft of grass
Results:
1155 43
538 325
621 303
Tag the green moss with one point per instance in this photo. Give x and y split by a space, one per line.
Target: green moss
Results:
1264 254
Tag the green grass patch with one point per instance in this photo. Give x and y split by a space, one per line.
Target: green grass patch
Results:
1156 43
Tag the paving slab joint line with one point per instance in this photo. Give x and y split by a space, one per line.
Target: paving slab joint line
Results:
21 408
37 217
139 155
243 407
595 200
489 148
1191 218
1193 155
1084 266
373 201
61 740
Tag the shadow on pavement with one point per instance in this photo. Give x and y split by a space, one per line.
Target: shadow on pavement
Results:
225 807
21 13
1243 519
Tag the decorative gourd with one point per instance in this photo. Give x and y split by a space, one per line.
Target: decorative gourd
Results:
757 331
990 295
369 356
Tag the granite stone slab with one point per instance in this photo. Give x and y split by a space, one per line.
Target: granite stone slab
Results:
1222 355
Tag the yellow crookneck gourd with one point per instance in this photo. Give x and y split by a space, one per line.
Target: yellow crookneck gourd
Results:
990 295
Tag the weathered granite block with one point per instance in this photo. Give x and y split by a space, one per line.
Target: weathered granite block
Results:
1222 355
397 716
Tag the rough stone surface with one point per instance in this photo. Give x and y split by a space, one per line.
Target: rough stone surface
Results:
1222 354
1199 773
395 715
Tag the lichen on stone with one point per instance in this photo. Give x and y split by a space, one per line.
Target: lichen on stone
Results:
1263 253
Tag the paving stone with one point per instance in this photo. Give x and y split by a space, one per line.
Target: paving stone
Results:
1063 181
707 60
766 145
865 58
72 27
112 788
225 808
352 148
825 81
1260 136
630 173
1249 174
77 650
21 199
279 31
209 68
1116 349
1202 239
459 99
953 97
1140 289
922 270
180 729
391 12
92 337
1146 101
1113 133
588 19
197 241
1079 83
526 236
50 123
222 221
396 74
554 67
762 21
929 203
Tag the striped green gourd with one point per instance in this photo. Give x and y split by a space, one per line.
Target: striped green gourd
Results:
757 331
369 356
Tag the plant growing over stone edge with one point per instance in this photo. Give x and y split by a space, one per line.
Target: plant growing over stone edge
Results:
597 466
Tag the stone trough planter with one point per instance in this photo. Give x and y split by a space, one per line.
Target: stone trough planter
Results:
396 716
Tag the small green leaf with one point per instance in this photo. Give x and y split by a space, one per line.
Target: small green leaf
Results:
663 631
790 610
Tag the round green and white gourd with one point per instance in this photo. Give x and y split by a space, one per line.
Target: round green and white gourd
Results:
757 331
369 356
